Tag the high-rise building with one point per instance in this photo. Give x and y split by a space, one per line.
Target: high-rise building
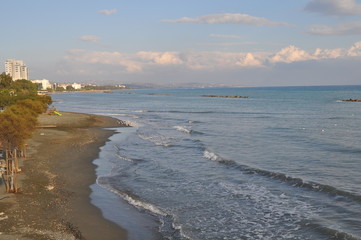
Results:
16 69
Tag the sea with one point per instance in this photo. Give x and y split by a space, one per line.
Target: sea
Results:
283 163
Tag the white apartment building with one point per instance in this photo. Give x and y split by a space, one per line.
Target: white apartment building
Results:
16 69
43 84
76 86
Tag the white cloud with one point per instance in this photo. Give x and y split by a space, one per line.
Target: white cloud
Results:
221 60
162 58
249 61
349 28
90 38
106 58
291 54
108 12
328 53
143 61
355 50
229 18
334 7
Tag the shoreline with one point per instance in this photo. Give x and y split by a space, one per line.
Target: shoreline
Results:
55 182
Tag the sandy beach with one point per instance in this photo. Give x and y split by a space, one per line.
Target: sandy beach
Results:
54 201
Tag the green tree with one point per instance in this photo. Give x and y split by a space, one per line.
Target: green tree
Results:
6 98
60 89
24 87
5 80
15 129
46 100
19 119
70 88
35 107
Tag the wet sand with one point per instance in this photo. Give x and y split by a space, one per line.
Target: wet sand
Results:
54 202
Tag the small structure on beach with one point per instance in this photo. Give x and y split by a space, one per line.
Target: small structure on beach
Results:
9 168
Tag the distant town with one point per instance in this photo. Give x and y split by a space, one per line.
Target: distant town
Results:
19 71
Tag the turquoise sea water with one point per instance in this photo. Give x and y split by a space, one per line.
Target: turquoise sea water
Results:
283 164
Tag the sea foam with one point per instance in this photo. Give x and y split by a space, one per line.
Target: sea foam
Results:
211 156
184 129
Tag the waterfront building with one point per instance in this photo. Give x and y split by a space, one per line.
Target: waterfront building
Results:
43 84
16 69
76 86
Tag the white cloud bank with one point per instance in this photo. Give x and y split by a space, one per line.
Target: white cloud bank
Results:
334 7
145 60
79 56
229 18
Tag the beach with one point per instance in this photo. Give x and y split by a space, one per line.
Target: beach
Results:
54 202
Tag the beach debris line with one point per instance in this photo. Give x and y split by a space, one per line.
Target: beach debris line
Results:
220 96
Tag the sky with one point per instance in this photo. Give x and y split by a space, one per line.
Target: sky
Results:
175 43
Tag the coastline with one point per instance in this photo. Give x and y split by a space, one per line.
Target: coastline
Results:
56 175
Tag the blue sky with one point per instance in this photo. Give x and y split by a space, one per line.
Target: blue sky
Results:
231 42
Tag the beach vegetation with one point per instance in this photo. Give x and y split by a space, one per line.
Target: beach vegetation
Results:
24 87
5 80
22 107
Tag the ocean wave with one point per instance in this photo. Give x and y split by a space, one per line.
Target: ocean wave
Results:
269 210
211 156
193 121
187 112
130 198
111 114
131 123
170 230
167 227
139 111
184 129
124 158
120 156
156 139
333 233
296 182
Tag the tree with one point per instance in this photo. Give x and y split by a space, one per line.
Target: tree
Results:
25 87
36 107
6 98
46 100
70 88
14 129
5 80
19 120
60 89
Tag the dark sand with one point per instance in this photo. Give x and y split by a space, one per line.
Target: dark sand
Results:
54 202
